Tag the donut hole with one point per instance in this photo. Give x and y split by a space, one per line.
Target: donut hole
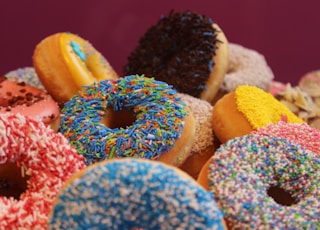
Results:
118 119
12 183
281 196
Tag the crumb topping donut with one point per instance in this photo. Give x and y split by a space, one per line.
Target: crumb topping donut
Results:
246 109
27 100
302 134
27 75
34 163
266 182
134 194
205 141
186 50
65 62
133 116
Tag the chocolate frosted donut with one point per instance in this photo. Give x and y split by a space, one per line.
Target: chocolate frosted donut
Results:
186 50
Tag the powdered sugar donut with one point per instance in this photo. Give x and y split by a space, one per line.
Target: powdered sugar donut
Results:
34 163
266 182
132 194
302 134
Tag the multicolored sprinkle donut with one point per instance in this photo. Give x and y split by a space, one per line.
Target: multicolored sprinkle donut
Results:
134 116
245 173
134 193
34 163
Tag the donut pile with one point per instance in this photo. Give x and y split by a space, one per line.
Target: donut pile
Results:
194 134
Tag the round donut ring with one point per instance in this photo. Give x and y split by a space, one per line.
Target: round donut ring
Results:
246 67
27 75
134 193
65 62
157 123
245 170
41 155
186 50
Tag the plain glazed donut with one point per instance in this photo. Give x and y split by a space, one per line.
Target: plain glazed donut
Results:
133 116
34 163
186 50
246 109
302 134
205 142
266 182
27 75
134 194
29 101
65 62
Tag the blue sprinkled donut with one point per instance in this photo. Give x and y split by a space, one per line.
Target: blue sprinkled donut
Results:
134 193
265 182
162 127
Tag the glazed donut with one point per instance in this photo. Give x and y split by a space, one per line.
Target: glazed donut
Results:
34 163
310 83
133 116
134 193
65 62
186 50
302 134
27 100
246 109
27 75
205 142
266 182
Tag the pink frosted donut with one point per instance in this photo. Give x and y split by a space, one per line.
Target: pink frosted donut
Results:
19 97
35 161
302 134
276 87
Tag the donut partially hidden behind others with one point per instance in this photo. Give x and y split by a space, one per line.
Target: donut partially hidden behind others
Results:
186 50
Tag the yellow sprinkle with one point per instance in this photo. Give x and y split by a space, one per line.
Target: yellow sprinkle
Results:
261 108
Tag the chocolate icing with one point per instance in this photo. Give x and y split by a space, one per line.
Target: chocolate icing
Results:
177 50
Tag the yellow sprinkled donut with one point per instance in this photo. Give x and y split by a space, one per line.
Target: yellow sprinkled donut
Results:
246 109
65 62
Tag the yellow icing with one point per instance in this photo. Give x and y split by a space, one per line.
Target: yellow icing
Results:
84 72
261 108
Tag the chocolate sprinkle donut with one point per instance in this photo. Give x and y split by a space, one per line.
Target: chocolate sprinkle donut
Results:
180 46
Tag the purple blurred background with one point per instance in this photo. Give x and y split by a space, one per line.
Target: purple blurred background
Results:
285 32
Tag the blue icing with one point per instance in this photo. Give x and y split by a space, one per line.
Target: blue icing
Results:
77 49
128 194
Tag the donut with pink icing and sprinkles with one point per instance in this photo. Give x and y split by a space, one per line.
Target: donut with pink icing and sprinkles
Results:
35 161
266 182
302 134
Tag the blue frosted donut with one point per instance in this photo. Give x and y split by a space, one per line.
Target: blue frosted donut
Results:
264 182
134 193
161 119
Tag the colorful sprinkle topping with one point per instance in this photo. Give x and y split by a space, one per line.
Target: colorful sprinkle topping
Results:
243 171
261 108
43 155
134 194
158 110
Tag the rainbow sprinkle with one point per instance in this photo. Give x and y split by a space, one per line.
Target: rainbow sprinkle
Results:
134 194
244 169
158 110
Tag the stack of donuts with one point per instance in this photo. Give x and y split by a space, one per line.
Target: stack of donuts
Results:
194 134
